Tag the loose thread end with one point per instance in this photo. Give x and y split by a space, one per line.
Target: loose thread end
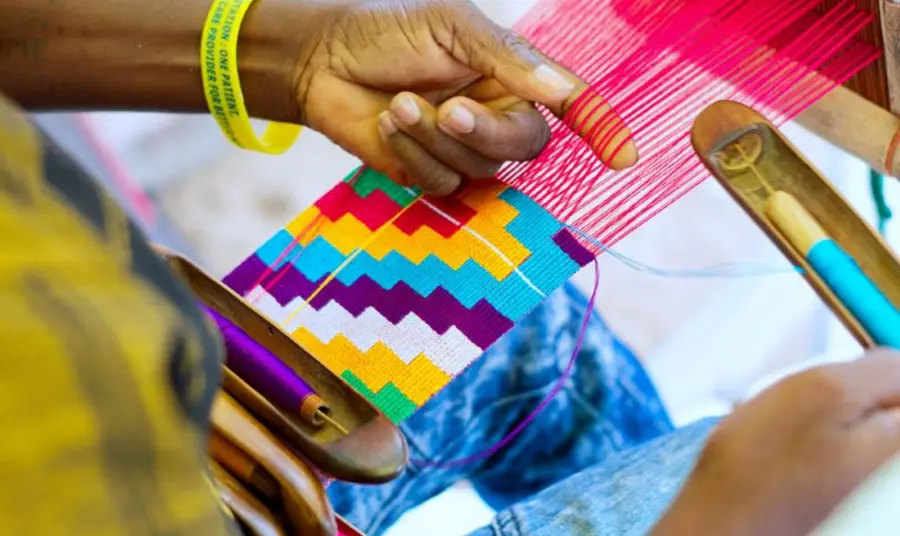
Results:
325 417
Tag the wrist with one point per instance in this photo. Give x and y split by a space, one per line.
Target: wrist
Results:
277 40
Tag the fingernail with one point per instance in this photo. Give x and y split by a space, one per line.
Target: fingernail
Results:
406 111
386 125
460 119
555 84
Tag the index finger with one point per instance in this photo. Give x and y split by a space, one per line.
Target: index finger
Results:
583 110
530 75
587 114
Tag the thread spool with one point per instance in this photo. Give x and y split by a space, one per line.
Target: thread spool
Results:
268 375
836 268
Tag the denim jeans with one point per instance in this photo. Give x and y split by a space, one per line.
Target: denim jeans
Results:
602 459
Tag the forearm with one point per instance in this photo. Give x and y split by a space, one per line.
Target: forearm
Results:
142 55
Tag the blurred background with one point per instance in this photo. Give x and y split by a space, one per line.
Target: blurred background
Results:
708 342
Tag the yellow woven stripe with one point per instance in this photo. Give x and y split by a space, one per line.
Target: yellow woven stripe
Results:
453 251
484 200
306 225
418 380
346 234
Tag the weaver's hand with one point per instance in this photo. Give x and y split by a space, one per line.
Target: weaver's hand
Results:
431 91
780 464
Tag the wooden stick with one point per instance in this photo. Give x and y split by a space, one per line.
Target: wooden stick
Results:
797 224
858 126
244 467
889 12
244 505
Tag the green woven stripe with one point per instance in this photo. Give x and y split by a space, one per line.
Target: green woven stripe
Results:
389 400
371 180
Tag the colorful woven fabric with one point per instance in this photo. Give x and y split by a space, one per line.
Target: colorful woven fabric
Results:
407 291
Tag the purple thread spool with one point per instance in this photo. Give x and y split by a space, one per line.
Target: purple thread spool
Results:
264 372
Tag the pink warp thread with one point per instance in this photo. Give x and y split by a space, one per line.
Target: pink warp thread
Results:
658 64
557 388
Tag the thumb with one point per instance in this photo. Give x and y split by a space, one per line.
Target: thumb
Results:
530 75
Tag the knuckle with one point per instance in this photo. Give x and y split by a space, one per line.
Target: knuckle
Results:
717 448
530 137
538 141
716 443
434 179
823 386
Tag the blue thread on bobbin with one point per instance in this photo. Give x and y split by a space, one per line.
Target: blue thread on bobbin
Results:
858 293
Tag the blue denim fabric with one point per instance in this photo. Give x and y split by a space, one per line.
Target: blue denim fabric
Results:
592 430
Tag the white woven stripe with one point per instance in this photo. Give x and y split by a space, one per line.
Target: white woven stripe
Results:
452 351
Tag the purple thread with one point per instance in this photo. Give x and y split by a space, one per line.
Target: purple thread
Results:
261 369
544 403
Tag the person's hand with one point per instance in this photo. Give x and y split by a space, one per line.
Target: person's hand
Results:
781 463
431 91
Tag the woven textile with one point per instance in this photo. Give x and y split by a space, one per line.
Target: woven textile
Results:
407 291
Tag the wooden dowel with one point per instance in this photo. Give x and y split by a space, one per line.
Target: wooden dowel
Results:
856 125
797 224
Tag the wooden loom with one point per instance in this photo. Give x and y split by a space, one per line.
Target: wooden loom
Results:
270 465
862 116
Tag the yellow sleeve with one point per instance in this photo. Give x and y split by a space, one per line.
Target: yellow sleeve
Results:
105 378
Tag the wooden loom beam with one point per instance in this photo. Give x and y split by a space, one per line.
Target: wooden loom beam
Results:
880 81
889 13
871 82
862 117
857 126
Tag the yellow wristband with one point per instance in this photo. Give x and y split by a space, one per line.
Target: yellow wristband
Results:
222 86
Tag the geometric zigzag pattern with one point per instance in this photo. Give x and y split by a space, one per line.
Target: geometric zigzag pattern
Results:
407 291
